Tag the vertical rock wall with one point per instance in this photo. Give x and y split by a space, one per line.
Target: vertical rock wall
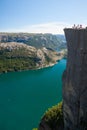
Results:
75 80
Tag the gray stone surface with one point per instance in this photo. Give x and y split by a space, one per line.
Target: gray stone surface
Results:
75 80
44 126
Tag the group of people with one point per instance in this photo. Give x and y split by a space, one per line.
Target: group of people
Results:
77 26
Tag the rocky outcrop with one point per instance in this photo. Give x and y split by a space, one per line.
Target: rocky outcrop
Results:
75 81
52 119
43 125
9 46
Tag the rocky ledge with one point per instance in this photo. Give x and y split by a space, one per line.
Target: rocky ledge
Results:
75 81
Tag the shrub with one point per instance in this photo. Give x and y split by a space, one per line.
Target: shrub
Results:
35 129
54 116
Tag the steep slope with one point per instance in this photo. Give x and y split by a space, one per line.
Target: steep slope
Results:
75 81
18 56
52 119
74 84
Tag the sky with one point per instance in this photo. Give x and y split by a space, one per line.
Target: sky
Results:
41 16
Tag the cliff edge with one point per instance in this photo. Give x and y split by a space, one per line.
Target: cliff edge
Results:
75 80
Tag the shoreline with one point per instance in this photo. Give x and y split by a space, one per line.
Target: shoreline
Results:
38 68
50 65
30 69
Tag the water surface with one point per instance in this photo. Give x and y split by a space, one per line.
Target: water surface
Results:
24 96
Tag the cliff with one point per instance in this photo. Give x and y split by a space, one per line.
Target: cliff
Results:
75 80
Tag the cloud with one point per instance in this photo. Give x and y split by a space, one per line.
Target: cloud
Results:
51 27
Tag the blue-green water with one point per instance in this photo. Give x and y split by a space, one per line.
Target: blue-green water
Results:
25 96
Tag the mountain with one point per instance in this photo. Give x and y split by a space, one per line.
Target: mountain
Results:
23 51
19 56
54 42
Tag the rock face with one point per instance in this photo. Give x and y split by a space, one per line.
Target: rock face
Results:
75 80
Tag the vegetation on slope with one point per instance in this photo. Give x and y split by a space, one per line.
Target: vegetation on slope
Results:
54 42
54 116
24 51
35 129
18 56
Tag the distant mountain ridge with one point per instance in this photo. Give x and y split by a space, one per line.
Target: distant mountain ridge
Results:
24 51
36 40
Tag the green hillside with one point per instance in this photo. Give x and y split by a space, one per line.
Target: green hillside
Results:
19 56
